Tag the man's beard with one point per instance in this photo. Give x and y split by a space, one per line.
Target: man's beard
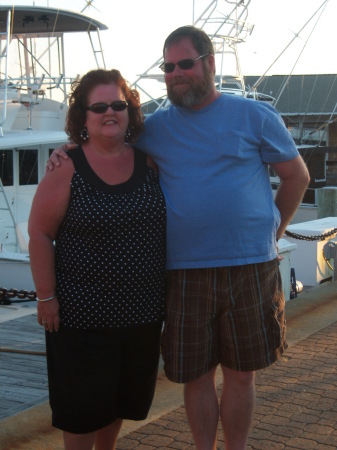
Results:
196 93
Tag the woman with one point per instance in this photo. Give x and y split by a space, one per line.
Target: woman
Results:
97 248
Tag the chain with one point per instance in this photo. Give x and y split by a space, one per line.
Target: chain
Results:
24 296
319 237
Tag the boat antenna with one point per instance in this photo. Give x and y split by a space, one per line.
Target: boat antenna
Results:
298 58
296 35
88 4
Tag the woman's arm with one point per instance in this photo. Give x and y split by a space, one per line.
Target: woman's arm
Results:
48 210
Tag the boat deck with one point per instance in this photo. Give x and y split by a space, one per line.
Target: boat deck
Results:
23 369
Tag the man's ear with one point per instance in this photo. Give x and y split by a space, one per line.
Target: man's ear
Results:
211 62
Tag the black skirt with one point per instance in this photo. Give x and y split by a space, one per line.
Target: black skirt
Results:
96 377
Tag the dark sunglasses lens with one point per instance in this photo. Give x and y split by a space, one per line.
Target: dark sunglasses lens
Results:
186 64
99 108
119 105
169 67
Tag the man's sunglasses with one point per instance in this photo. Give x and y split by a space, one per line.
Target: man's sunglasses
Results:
100 108
184 64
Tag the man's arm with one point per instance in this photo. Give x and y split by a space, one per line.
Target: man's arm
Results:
294 177
58 154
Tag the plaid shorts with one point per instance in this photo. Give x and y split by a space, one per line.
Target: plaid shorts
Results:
228 315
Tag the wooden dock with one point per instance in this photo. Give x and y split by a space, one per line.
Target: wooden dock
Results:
23 368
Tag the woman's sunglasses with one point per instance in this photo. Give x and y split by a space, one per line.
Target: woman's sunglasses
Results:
100 108
184 64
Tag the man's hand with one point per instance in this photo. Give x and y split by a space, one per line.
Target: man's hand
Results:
58 154
279 257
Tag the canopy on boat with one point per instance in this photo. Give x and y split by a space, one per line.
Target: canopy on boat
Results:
33 20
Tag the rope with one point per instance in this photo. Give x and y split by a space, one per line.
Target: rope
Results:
24 352
328 263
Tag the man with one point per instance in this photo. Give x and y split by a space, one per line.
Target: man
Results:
225 304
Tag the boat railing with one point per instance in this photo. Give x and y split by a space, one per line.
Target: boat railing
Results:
97 49
50 82
4 55
10 223
40 54
32 91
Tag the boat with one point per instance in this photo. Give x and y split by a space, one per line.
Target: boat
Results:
33 107
32 124
32 120
307 104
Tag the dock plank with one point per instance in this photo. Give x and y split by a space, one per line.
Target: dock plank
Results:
23 367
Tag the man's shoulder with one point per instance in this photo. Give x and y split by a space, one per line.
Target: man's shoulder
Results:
241 101
158 115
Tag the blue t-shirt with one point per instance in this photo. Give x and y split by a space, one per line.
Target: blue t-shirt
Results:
213 166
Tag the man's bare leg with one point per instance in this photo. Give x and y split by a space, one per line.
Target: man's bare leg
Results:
202 409
237 407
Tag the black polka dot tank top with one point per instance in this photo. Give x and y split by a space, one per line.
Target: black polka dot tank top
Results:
110 249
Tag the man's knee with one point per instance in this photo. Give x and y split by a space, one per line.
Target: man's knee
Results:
237 377
206 379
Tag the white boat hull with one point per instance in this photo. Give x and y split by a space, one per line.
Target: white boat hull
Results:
15 272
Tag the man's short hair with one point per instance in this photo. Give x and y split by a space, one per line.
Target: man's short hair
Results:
201 42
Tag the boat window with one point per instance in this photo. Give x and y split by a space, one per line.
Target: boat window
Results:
316 165
28 167
308 136
6 167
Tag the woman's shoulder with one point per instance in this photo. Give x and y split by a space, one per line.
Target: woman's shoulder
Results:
60 173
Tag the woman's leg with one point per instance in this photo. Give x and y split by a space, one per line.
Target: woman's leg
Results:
78 441
106 437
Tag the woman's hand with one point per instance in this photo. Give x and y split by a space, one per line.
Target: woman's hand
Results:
58 154
48 314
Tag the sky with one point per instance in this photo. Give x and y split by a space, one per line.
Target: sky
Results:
138 28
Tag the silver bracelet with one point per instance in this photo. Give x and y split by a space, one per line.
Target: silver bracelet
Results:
45 299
